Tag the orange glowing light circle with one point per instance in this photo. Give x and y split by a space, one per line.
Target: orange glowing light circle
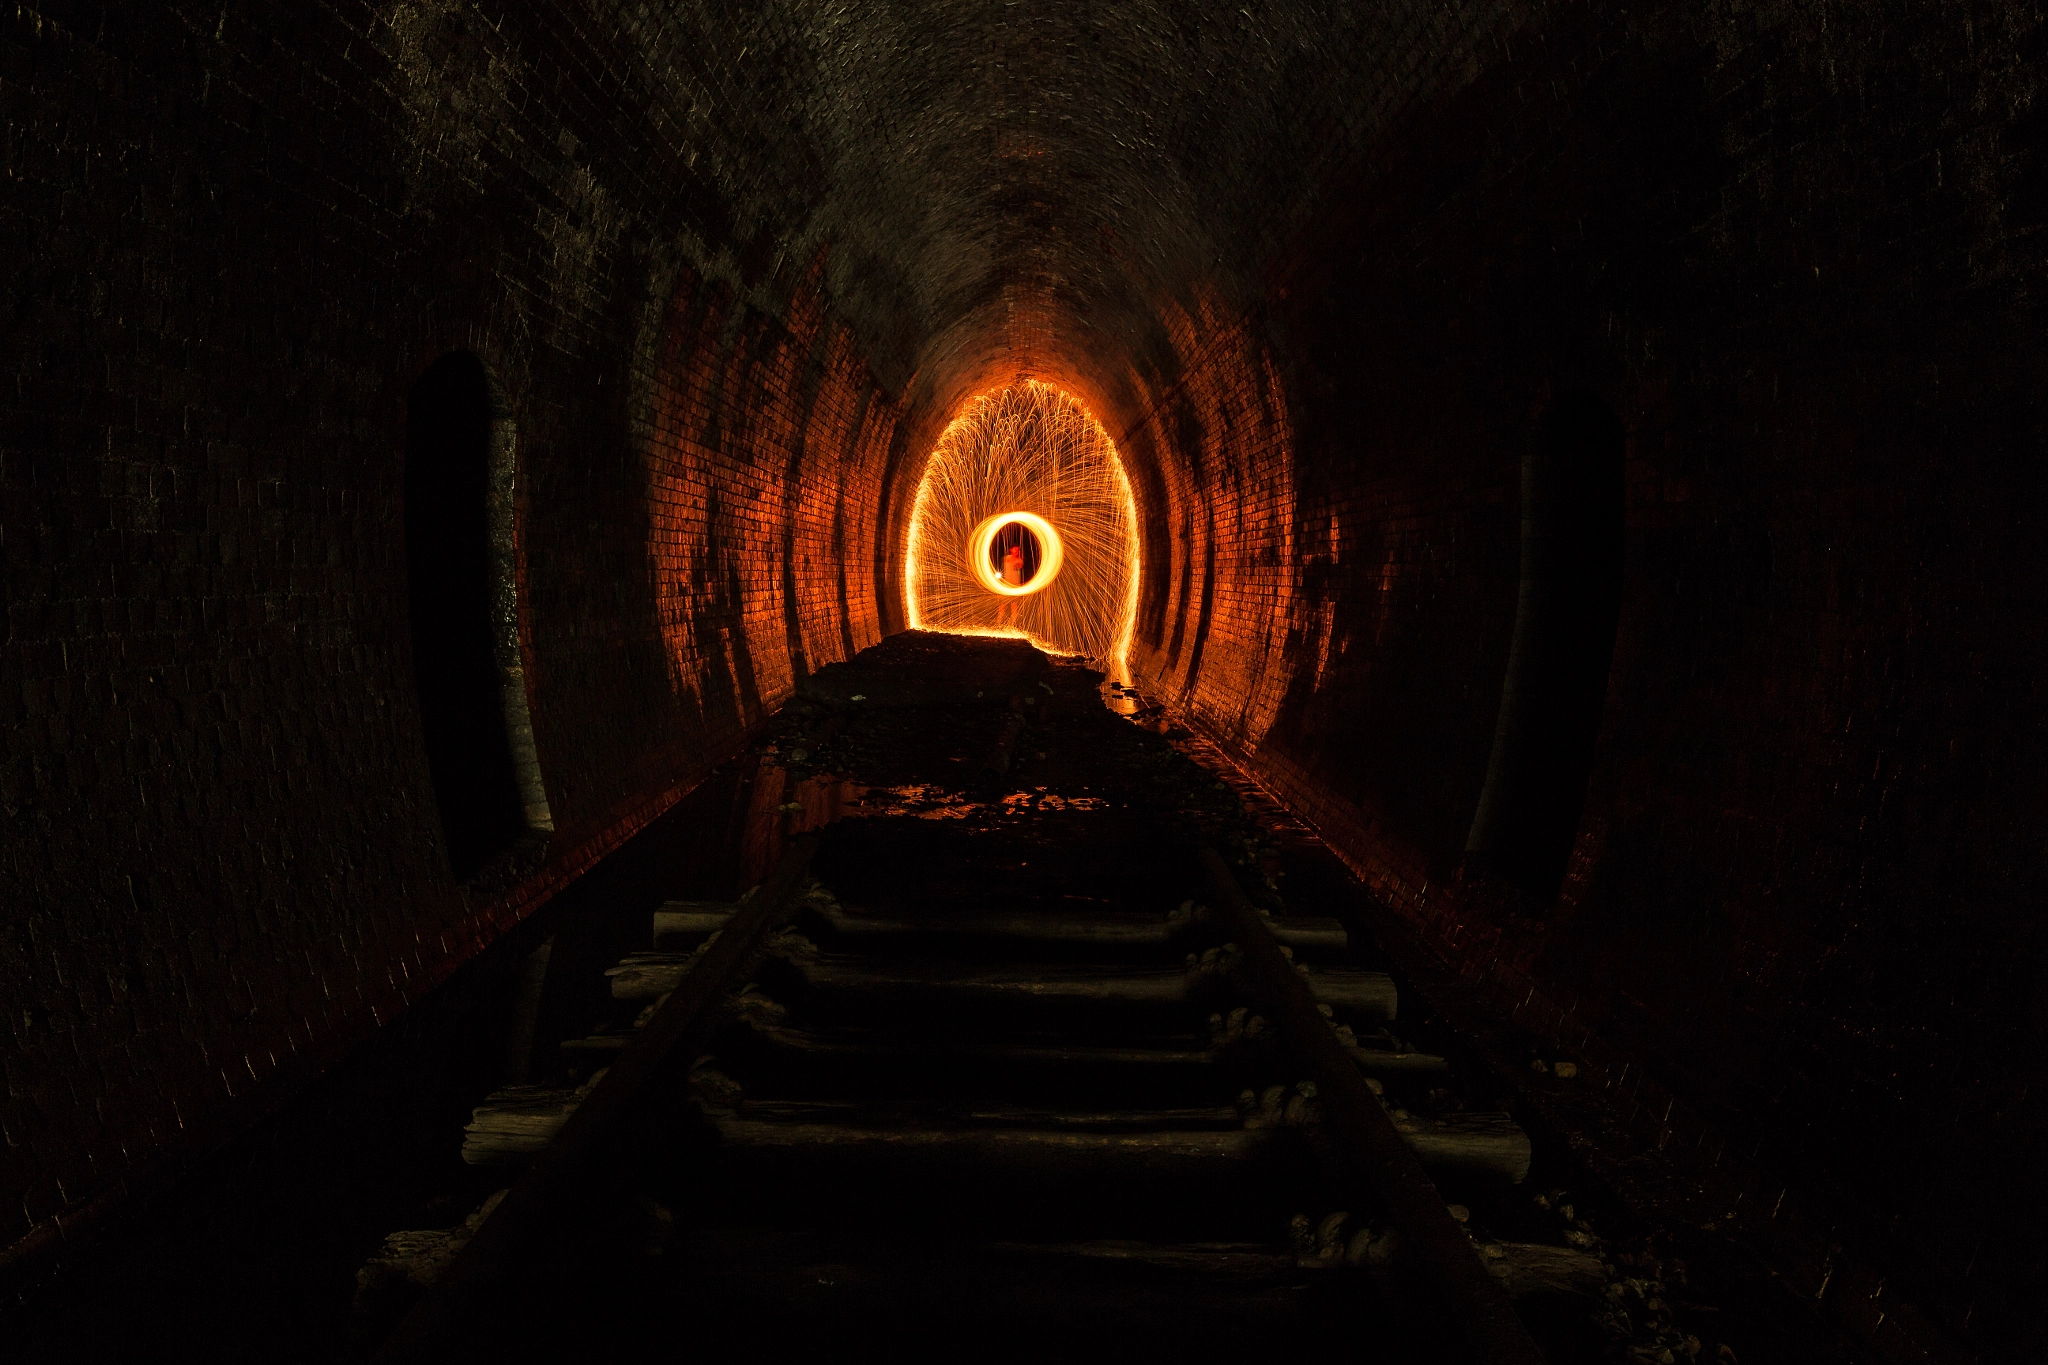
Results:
1049 553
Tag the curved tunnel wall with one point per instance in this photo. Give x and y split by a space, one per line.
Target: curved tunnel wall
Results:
732 302
1796 894
222 854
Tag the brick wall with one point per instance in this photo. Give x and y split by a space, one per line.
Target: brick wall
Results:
1797 247
1316 267
237 233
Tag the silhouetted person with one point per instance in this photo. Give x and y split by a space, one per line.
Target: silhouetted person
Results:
1013 574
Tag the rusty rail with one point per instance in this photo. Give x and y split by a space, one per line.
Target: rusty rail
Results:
482 1283
1372 1156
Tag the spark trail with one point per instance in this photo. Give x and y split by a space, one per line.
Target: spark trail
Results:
1034 449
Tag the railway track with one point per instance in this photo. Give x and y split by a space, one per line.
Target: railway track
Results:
1011 1045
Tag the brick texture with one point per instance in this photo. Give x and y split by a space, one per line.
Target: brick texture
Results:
1316 266
1797 248
241 232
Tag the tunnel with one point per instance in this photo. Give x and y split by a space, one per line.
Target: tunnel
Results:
1577 464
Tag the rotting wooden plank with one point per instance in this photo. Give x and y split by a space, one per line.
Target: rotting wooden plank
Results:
688 920
1377 1062
1367 995
516 1124
1144 986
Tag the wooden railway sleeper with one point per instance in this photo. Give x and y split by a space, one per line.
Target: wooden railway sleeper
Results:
882 1067
515 1125
1363 994
678 924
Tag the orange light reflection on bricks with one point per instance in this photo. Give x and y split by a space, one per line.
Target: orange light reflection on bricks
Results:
1033 448
980 556
764 439
1239 615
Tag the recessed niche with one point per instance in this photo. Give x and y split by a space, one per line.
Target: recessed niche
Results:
1567 610
462 589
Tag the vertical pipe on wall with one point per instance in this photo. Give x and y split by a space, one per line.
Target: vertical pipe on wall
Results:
502 511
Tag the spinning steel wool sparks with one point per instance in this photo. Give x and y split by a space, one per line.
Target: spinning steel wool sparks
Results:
1024 526
1005 536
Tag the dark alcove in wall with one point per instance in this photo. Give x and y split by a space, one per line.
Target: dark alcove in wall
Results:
1566 614
455 427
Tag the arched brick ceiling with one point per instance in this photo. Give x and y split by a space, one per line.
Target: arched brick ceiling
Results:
1316 265
1023 183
